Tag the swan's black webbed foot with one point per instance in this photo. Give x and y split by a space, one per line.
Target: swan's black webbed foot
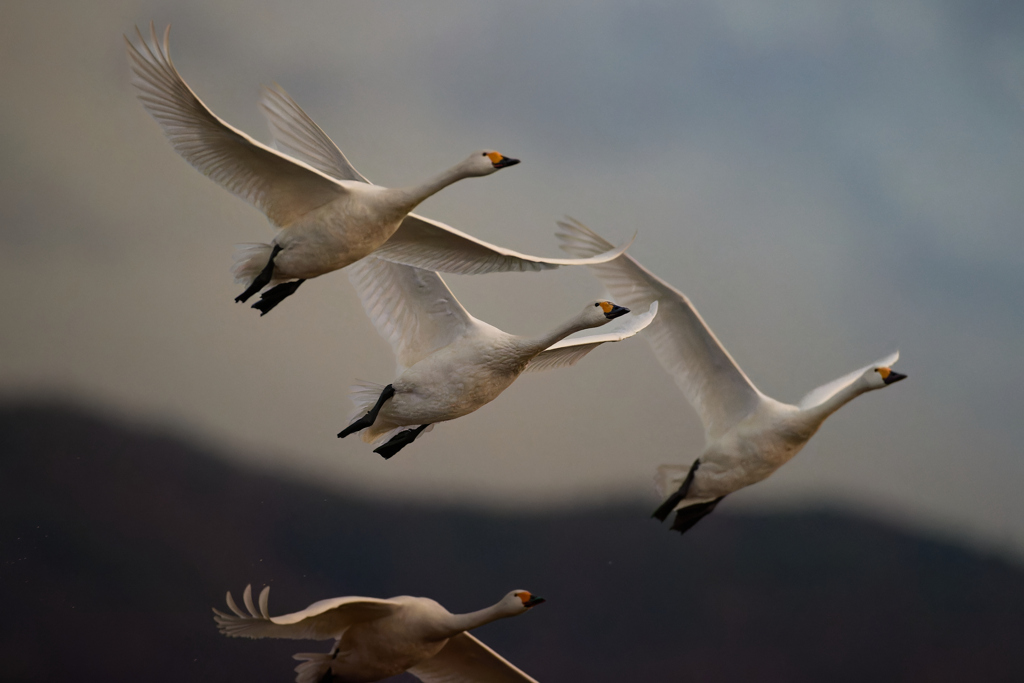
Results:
691 514
276 295
399 441
370 417
676 498
262 280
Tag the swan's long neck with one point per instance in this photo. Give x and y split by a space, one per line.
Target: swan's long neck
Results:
533 347
417 193
817 414
457 623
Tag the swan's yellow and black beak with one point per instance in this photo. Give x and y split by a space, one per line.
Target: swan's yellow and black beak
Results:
889 376
611 311
528 599
499 161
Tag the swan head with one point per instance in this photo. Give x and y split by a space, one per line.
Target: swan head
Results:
520 601
486 161
882 376
598 313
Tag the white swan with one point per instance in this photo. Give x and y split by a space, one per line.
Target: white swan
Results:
375 638
749 435
450 363
329 214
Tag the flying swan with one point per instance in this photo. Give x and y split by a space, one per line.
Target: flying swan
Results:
329 214
450 363
748 435
375 638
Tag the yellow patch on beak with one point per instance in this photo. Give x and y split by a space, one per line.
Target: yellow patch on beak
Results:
495 157
884 372
606 306
525 596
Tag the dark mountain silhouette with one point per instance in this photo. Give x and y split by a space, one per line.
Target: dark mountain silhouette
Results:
116 542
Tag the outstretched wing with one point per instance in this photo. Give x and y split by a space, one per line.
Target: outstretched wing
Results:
323 620
425 243
281 187
412 309
568 351
464 659
684 345
827 391
295 133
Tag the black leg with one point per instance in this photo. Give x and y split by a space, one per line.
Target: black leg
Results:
262 280
370 417
276 295
691 514
399 441
665 509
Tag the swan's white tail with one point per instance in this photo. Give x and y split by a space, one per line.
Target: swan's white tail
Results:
669 478
314 666
365 394
250 259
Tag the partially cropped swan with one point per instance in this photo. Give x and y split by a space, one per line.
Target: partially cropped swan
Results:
450 363
749 435
375 638
329 215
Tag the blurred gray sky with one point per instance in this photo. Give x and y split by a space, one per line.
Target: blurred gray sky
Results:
828 181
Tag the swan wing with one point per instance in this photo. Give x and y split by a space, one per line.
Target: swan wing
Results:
568 351
283 188
430 244
682 342
297 135
413 309
322 620
464 659
827 391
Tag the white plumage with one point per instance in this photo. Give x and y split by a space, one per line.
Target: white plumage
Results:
329 214
376 638
450 363
748 435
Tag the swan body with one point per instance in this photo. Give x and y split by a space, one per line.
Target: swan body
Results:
376 639
450 363
748 435
329 215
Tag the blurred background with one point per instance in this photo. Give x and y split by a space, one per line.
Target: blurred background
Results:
827 181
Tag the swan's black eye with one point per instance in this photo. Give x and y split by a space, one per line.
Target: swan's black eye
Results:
484 154
596 305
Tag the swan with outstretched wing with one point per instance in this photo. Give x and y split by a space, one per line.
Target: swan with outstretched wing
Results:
375 639
450 363
328 214
748 435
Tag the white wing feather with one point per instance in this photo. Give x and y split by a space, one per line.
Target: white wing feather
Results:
281 187
827 391
571 349
682 342
296 134
323 620
464 659
425 243
412 309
